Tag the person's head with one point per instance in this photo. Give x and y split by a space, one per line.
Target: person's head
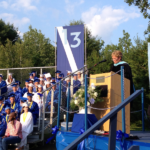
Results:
36 82
40 88
1 77
10 76
29 96
54 85
75 76
116 56
7 110
48 76
30 87
42 81
68 73
12 98
41 76
26 83
12 116
25 107
31 75
23 100
53 79
67 80
57 73
1 99
34 73
48 84
14 87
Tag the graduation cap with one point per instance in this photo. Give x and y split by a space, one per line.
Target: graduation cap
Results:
69 71
31 80
30 94
12 95
62 75
17 82
30 85
47 82
53 83
67 79
40 85
1 98
75 75
23 99
31 74
58 71
14 85
36 80
27 81
53 78
7 107
10 74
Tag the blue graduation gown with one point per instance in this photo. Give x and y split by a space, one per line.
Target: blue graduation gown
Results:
3 126
19 111
14 106
76 85
34 90
2 109
3 84
24 90
20 90
35 78
34 109
56 92
64 87
17 96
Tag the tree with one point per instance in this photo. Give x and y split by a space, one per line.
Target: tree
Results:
7 31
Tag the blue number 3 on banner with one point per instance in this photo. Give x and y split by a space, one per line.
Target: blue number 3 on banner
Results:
76 38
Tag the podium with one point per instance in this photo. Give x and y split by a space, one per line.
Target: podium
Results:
110 88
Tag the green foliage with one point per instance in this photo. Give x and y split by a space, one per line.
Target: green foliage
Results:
7 31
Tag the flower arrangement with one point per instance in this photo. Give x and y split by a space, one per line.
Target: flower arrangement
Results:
78 99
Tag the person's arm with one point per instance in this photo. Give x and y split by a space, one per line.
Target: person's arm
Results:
7 130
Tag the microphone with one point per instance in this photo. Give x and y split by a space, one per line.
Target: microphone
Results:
100 62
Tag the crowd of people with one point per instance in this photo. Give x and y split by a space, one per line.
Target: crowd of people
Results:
19 110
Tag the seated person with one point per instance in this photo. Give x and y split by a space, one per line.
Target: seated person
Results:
33 108
57 74
9 81
25 89
3 85
30 90
13 132
36 83
19 89
38 97
31 76
22 101
27 124
48 100
76 83
47 85
16 93
34 75
42 81
48 77
8 110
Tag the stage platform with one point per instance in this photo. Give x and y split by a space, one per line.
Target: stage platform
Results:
100 142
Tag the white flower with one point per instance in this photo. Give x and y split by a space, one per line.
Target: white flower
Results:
93 86
76 102
95 94
80 95
88 103
92 101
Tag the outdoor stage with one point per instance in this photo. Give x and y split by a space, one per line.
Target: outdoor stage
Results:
97 142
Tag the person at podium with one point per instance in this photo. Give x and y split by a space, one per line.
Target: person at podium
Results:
118 62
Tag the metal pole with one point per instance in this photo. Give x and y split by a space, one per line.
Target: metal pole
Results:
142 100
59 100
7 73
85 102
55 52
41 71
68 101
85 43
122 99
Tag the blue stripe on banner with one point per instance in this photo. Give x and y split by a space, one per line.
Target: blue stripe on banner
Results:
70 48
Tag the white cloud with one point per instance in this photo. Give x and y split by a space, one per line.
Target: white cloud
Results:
4 4
26 4
103 22
14 20
70 6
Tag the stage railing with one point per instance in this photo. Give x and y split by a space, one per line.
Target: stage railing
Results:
112 115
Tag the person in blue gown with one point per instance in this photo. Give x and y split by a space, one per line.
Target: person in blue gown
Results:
22 101
3 85
76 83
36 83
17 94
25 89
19 89
2 106
31 76
33 108
48 100
57 73
34 75
14 105
3 126
8 110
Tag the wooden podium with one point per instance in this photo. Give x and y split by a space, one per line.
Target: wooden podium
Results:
111 92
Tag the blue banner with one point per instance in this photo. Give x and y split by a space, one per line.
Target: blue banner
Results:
70 48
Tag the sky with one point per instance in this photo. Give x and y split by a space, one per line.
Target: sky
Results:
106 19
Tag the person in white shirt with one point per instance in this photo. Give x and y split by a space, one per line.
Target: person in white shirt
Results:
9 81
30 90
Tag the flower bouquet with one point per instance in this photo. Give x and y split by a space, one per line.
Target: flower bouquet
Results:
78 99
